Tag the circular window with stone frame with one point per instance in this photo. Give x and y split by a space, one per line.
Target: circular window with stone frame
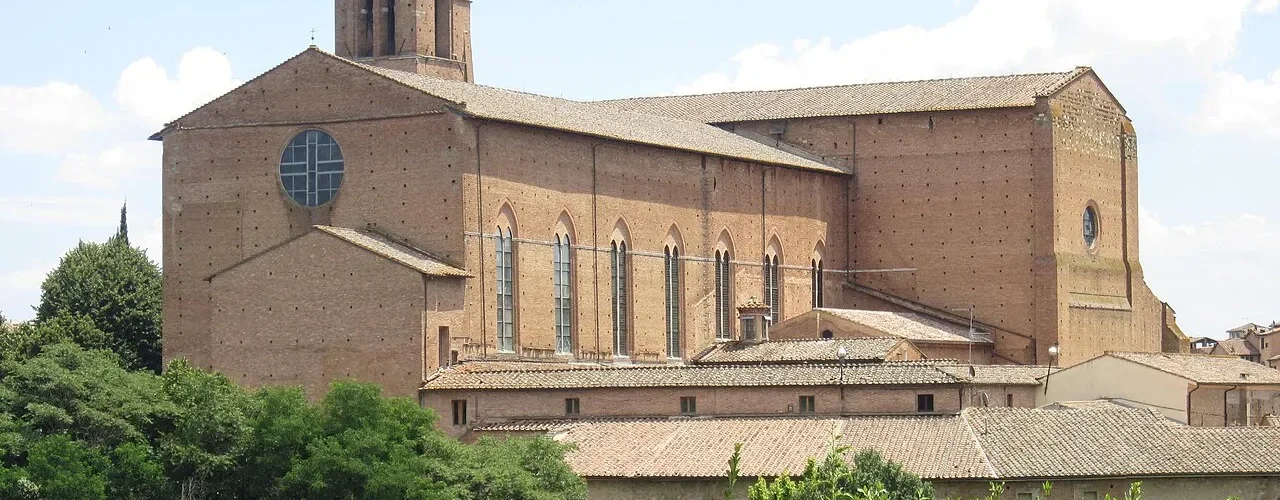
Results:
1090 227
311 168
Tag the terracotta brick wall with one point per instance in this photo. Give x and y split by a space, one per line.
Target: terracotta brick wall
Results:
1103 303
490 406
984 208
652 196
286 317
224 203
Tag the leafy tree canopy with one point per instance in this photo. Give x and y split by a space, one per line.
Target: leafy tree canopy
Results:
871 478
75 423
118 289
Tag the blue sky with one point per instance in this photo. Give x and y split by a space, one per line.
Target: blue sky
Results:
88 81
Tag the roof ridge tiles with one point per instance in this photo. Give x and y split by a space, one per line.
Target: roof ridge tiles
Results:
1067 75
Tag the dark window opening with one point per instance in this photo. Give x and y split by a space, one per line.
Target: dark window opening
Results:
671 269
1090 229
826 334
459 412
723 300
444 29
688 405
572 406
772 297
445 352
366 34
806 404
924 403
390 48
1008 400
619 279
815 278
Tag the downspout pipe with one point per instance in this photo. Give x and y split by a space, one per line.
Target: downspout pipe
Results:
1189 393
484 303
595 241
1224 404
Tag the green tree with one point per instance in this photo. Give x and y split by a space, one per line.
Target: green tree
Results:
871 478
122 231
64 468
201 448
84 394
116 287
28 339
522 469
75 423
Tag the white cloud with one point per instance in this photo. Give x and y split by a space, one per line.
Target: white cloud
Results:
1215 273
1000 36
1235 104
21 286
109 167
47 118
151 239
77 211
1267 6
146 89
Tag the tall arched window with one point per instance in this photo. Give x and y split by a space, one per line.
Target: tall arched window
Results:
505 264
620 287
772 297
562 295
724 301
815 271
671 270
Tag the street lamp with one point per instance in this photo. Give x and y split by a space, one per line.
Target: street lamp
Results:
1053 354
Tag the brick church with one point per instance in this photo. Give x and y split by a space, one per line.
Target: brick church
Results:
374 214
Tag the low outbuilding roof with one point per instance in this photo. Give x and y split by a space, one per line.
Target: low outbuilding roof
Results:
373 242
1205 369
799 351
391 249
581 376
912 326
1238 347
979 443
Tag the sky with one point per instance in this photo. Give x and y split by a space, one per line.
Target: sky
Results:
86 83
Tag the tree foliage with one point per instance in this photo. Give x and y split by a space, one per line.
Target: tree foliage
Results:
871 478
75 423
116 288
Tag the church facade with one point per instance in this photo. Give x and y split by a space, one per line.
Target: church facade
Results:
374 214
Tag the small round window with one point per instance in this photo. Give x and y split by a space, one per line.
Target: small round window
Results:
311 168
1090 226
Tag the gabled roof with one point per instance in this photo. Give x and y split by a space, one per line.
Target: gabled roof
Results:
377 244
522 108
1204 369
1043 444
934 447
908 325
798 351
512 375
384 246
998 374
1238 347
862 99
1109 441
1247 327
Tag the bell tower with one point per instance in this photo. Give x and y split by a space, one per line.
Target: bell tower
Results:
427 37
